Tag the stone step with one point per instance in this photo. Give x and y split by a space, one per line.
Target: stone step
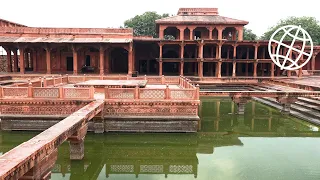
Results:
308 105
311 101
303 109
293 112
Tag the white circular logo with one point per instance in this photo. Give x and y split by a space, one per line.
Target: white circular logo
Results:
285 61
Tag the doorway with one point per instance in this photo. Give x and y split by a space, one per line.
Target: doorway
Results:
88 60
69 63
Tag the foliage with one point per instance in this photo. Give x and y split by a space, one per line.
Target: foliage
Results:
249 35
310 24
144 25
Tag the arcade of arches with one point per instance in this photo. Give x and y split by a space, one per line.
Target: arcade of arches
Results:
210 59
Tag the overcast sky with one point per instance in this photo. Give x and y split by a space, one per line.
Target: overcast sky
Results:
112 13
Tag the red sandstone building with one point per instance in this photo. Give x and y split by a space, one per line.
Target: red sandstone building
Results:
195 42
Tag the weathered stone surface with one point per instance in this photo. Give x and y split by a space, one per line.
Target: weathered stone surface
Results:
151 126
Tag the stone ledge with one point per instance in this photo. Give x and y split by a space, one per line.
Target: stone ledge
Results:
152 118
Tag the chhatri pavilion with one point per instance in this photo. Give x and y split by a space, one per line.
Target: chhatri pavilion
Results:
196 42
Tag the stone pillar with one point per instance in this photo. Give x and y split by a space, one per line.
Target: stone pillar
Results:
220 30
42 170
200 62
15 60
101 60
21 60
235 52
241 103
34 60
48 60
255 64
219 50
181 56
76 143
181 33
75 60
191 32
256 48
272 69
286 102
160 59
240 33
160 67
219 69
161 31
234 67
9 60
313 63
181 67
210 32
130 59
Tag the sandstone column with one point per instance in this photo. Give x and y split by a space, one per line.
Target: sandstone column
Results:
101 60
34 60
48 60
9 59
75 60
21 60
15 60
255 64
130 59
234 68
182 60
200 62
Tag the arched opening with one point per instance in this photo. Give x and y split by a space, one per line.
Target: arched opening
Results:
201 33
317 63
119 60
171 33
88 59
215 33
187 34
229 33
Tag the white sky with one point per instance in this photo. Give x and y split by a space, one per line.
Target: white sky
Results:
112 13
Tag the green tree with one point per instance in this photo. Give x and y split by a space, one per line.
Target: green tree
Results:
144 25
310 24
249 35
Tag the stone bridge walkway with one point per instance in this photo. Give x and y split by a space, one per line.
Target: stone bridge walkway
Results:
35 158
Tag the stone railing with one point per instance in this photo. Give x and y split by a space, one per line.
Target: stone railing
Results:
261 93
44 82
47 92
151 79
152 93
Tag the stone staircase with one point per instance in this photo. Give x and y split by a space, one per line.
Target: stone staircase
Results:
305 108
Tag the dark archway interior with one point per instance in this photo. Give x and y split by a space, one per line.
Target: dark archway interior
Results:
119 60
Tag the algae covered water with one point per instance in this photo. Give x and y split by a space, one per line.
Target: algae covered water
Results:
261 144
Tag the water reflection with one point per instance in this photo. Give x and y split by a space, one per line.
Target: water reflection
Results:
201 155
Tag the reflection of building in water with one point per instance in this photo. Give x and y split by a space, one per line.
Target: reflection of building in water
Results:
112 155
218 115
